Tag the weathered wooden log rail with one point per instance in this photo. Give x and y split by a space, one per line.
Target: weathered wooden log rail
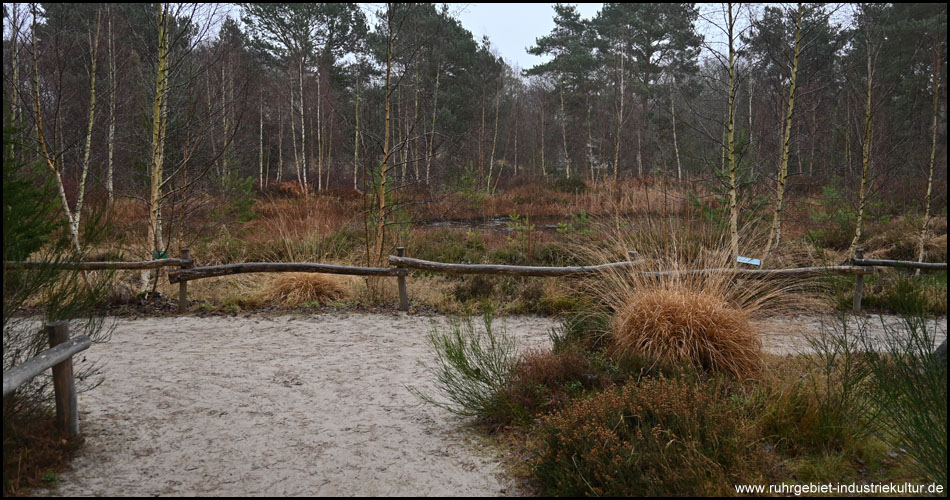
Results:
60 358
99 266
932 266
400 267
197 273
442 267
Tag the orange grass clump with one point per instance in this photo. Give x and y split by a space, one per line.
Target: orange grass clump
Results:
683 300
674 326
294 289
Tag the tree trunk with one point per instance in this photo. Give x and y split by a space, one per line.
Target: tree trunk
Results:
159 118
41 138
730 141
847 135
494 142
15 115
775 235
110 189
214 148
937 60
293 140
567 158
280 143
303 129
676 148
319 131
435 109
481 141
381 214
865 159
261 141
356 136
544 171
619 128
224 121
94 53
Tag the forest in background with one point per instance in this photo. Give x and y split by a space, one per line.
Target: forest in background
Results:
169 107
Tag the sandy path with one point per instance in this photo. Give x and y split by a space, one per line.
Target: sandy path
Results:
290 406
284 406
789 334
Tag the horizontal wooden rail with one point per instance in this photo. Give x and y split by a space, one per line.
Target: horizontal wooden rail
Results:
775 273
24 372
442 267
97 266
197 273
900 263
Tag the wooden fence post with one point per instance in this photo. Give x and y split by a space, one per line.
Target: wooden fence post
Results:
183 285
401 279
858 283
64 385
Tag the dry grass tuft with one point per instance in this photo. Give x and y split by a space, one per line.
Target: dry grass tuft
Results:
676 326
685 302
294 289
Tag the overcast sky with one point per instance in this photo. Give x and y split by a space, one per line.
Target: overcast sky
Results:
513 27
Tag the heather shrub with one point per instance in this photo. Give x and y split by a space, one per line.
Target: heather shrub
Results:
658 437
544 381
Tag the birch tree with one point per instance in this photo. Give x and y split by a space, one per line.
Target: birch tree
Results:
868 29
775 234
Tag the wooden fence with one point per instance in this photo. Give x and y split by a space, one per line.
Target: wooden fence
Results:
60 358
859 260
401 266
184 262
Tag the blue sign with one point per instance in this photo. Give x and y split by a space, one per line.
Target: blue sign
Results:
749 260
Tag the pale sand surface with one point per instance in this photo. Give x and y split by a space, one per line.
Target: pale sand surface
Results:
789 334
277 406
290 406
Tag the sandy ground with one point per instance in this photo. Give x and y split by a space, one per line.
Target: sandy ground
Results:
289 406
282 406
790 334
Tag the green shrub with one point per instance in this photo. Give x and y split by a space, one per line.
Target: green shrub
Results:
478 286
910 389
573 185
896 292
588 330
448 245
580 224
30 208
833 221
32 228
337 245
838 378
240 190
473 369
555 255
